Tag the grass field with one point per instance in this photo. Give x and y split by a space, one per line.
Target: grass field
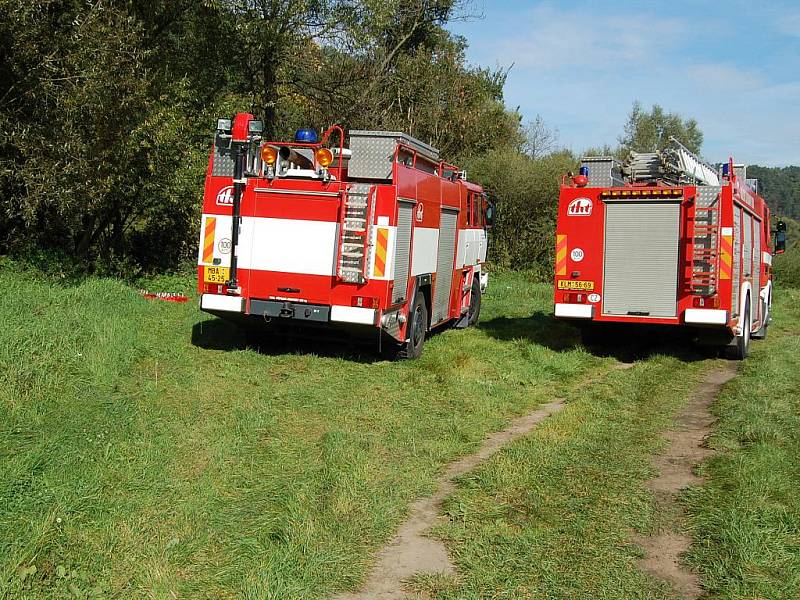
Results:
747 520
146 452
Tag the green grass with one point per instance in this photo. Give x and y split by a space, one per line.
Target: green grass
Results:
551 515
747 519
135 463
145 452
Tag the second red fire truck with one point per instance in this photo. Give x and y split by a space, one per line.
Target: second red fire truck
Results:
381 236
666 239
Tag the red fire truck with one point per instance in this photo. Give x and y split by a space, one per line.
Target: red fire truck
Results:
382 236
669 240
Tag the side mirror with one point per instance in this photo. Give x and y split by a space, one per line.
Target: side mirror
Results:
489 214
780 238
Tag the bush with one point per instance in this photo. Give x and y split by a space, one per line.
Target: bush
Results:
787 266
526 191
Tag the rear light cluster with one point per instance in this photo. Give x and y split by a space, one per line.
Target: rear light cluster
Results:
706 302
364 302
575 297
213 288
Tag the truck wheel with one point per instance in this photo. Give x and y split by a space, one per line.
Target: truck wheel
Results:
474 311
741 347
417 326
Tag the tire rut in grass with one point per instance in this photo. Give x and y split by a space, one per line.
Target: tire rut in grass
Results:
686 448
410 552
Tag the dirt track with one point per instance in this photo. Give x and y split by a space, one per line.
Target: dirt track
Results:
686 448
410 552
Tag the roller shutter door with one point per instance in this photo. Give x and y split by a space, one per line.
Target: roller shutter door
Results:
444 265
641 259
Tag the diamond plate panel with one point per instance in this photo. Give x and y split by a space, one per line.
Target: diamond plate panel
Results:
372 157
707 195
373 152
603 171
223 163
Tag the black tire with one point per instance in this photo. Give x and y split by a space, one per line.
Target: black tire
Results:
741 347
417 328
474 311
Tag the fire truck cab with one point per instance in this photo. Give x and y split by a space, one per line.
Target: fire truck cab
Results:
665 239
381 238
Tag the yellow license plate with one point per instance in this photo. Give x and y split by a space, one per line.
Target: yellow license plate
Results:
569 284
216 274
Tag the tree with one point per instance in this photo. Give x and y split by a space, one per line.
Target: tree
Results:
268 43
780 187
538 139
650 131
526 191
107 108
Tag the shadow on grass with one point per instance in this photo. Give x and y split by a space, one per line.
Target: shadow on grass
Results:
219 334
624 343
540 328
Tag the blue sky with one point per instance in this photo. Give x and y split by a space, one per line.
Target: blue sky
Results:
734 66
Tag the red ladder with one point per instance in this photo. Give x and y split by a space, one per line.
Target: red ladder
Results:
704 249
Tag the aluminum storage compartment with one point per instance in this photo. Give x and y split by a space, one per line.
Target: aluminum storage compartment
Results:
604 171
640 271
373 151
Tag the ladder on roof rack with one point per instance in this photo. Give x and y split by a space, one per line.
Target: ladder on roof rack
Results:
354 233
704 242
674 165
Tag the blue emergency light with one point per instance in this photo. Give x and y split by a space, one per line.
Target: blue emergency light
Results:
306 136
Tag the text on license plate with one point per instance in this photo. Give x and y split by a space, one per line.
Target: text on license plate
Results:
569 284
216 274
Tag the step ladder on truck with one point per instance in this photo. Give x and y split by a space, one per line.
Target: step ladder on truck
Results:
381 239
665 239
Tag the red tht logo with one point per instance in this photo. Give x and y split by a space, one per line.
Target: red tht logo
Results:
580 207
420 212
225 196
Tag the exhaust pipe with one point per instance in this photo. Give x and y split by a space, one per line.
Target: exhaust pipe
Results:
294 157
